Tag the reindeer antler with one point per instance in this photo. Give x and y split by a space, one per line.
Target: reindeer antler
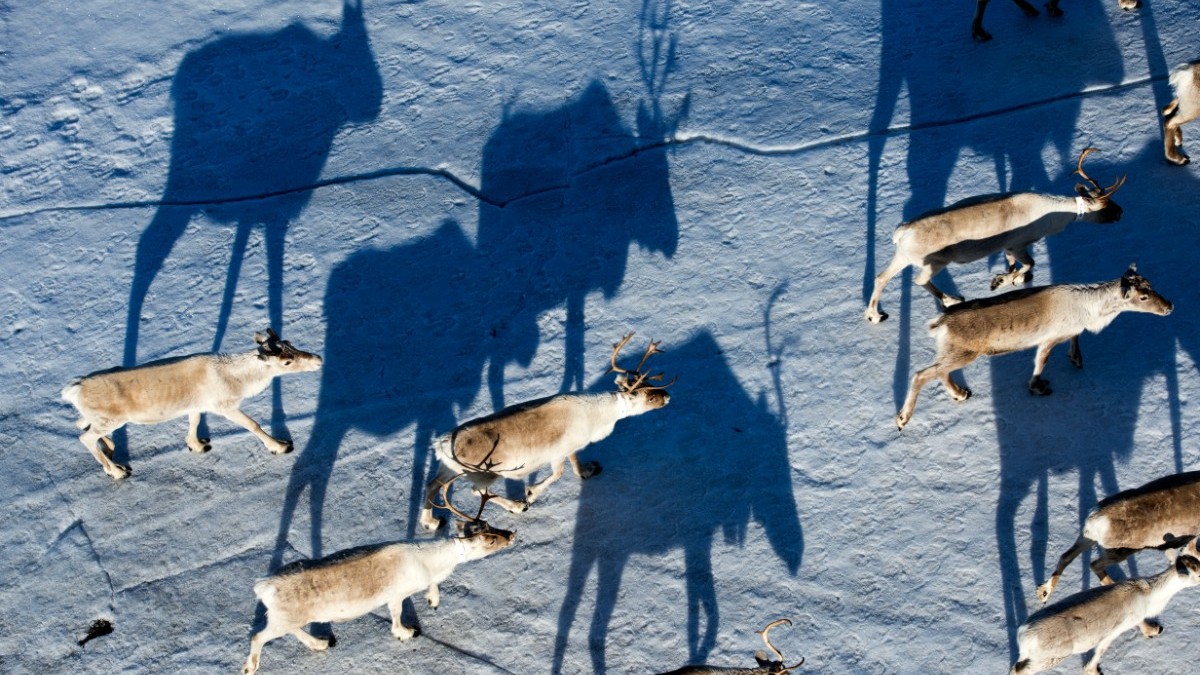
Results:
781 669
484 497
636 379
1104 193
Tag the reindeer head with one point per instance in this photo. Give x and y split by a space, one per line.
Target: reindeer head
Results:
1187 561
776 666
1136 291
1097 203
473 529
634 384
281 355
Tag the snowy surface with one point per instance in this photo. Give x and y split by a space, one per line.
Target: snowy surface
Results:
467 211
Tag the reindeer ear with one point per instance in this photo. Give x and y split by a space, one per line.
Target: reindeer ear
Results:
761 658
259 338
1083 191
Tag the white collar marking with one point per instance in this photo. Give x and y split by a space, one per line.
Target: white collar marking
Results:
1079 208
462 550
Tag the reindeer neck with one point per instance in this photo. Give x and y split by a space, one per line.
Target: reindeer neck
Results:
1098 304
1163 587
247 369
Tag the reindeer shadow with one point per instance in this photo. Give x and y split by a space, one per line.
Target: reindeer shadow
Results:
568 191
720 464
573 189
255 117
953 85
1040 438
397 321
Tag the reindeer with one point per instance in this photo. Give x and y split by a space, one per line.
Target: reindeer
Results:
1185 107
1162 514
516 441
975 228
350 583
189 385
765 665
1034 317
1092 619
1052 9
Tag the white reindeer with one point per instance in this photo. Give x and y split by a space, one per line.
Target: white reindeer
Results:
1052 9
1033 317
1185 81
1092 619
1162 514
350 583
765 666
189 385
519 439
975 228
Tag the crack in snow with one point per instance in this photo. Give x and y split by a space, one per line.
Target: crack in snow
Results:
78 523
678 140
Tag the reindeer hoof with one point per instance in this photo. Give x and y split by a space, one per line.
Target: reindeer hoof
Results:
901 420
951 300
997 281
121 471
1129 4
962 395
287 447
1040 387
1043 593
1179 160
1151 628
980 35
202 447
875 317
590 470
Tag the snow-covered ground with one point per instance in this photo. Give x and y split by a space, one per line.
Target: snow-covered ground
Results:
462 205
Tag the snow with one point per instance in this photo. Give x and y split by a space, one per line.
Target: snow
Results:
468 211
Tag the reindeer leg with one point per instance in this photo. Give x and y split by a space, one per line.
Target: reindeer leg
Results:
1036 384
1111 556
534 491
262 637
443 475
1173 135
433 596
93 435
872 312
243 420
1081 544
108 448
1074 354
399 630
1093 665
1001 279
194 442
941 368
311 641
584 470
1151 627
925 280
